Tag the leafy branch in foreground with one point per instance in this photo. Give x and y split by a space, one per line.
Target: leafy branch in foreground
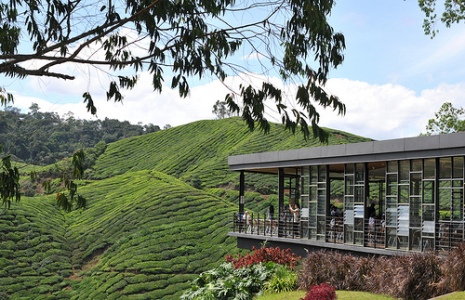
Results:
453 12
9 181
66 200
185 40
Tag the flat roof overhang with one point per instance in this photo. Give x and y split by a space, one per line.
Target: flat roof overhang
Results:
387 150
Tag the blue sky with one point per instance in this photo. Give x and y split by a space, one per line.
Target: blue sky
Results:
393 79
386 43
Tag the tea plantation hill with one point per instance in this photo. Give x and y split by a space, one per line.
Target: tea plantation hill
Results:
146 232
201 149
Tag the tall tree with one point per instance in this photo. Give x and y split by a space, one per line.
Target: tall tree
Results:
221 110
447 120
186 39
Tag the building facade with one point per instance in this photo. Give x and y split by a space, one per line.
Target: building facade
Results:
381 197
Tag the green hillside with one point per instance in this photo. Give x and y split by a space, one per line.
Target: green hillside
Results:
201 149
145 233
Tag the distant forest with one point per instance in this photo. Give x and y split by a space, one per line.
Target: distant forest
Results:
43 138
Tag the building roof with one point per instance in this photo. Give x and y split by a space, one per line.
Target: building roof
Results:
395 149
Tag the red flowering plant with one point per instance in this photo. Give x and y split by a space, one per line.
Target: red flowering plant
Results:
264 254
323 291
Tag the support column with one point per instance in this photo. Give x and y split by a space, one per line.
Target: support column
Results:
241 193
280 201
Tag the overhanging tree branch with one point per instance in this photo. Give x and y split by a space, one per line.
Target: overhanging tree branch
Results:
293 40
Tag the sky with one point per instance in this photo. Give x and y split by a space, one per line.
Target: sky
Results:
392 81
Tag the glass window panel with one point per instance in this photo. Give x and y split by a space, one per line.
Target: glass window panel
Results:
350 168
358 236
391 237
445 184
312 208
358 224
359 211
415 184
391 201
457 183
404 173
305 189
444 203
428 244
391 185
403 220
392 166
445 167
359 192
391 217
312 221
349 234
427 228
403 194
416 165
349 202
429 168
321 226
313 195
313 174
457 204
415 212
458 167
428 191
304 201
322 174
349 185
349 216
306 171
360 173
403 242
312 234
428 213
321 203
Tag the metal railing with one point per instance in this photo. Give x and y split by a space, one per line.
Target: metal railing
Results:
259 224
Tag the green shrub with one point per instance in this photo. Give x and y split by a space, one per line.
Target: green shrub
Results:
226 282
283 280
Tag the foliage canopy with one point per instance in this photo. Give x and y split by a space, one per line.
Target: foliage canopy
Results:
182 39
447 120
43 138
9 181
453 12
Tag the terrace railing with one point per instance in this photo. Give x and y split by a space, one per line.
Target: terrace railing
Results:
259 224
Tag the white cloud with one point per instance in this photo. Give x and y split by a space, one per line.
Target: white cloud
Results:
376 111
388 111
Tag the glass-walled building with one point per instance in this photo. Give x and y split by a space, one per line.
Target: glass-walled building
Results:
380 197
